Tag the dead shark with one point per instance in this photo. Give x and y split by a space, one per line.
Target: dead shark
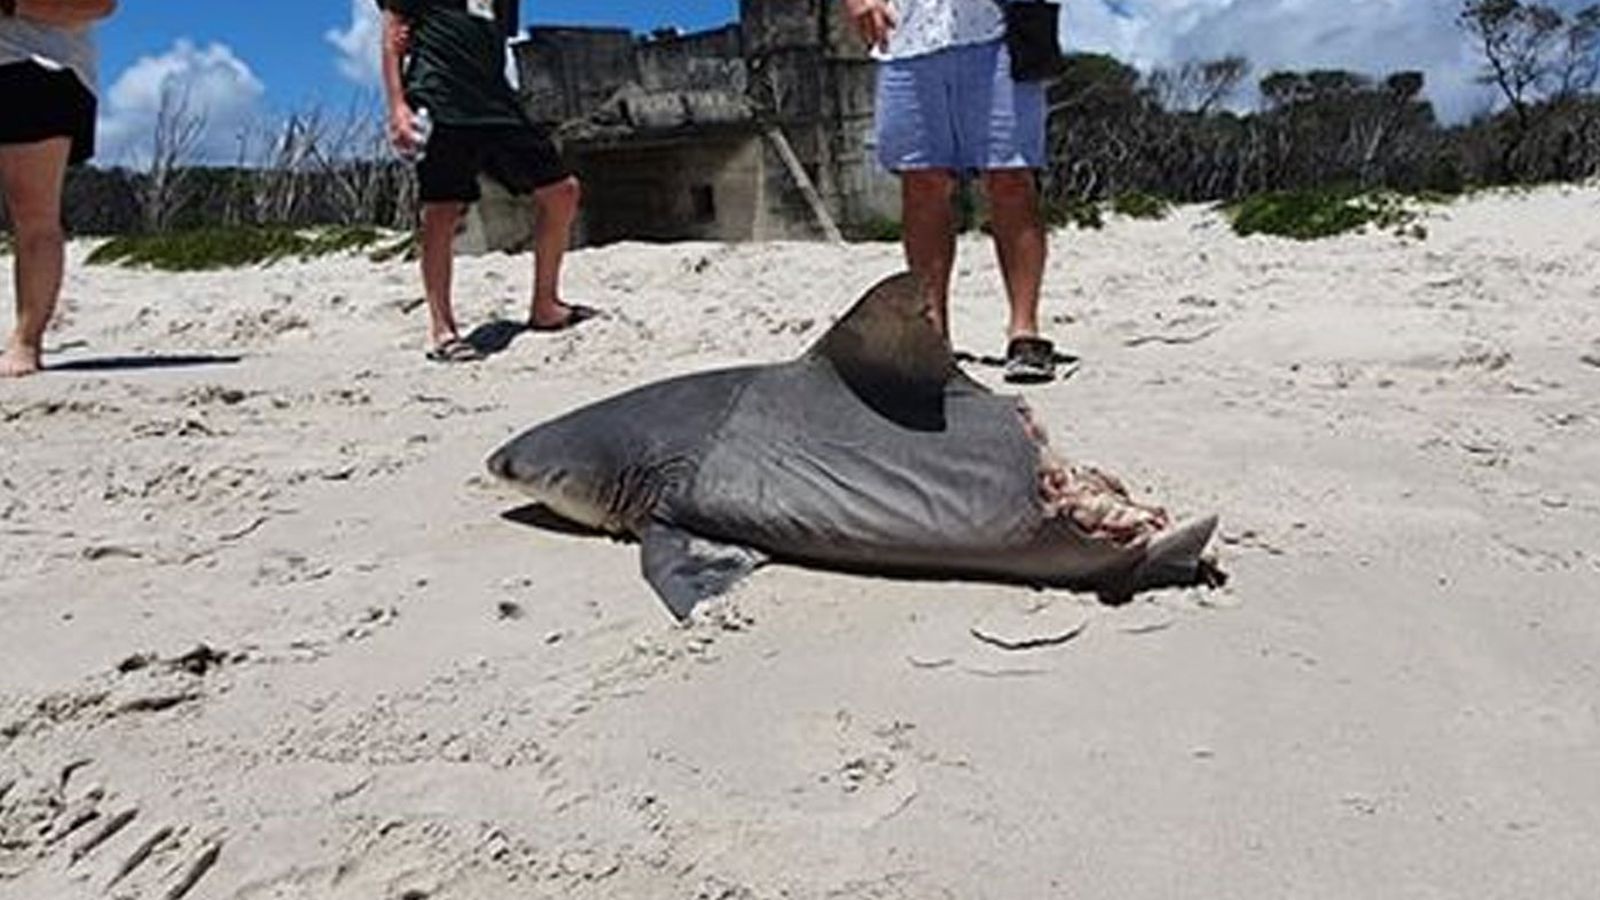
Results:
872 452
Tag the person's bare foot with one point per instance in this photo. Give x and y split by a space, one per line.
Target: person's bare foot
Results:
559 316
18 361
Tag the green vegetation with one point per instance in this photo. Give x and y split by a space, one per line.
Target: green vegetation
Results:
879 229
1311 214
1139 205
230 248
403 247
1085 214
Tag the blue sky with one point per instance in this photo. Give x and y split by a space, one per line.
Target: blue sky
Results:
283 41
245 65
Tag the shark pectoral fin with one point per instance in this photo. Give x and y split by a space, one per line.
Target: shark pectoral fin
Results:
685 568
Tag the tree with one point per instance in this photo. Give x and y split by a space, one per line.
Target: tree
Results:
1542 61
173 143
1097 118
1577 66
1198 86
1533 52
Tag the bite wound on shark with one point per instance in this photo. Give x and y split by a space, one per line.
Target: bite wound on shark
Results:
1091 498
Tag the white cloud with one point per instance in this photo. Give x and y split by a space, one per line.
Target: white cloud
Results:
358 45
215 84
1372 36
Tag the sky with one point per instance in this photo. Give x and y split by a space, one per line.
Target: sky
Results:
245 64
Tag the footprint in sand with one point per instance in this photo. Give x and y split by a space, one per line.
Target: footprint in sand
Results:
65 828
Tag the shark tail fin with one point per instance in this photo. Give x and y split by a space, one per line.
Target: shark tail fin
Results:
1175 559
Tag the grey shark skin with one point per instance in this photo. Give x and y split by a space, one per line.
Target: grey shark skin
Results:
871 452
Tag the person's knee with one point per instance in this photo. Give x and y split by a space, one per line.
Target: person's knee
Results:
1011 190
436 216
560 199
35 212
933 186
37 229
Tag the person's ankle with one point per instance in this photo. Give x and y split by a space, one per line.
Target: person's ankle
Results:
20 345
543 310
20 358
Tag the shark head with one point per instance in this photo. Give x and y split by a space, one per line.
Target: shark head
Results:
563 469
606 465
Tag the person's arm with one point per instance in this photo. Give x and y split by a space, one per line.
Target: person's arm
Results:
65 13
396 43
874 19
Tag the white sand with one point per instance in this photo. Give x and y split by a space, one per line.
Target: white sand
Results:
1397 697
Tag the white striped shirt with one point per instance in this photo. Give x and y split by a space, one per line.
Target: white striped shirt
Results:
928 26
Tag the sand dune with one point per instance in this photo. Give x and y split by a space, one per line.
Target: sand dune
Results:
265 633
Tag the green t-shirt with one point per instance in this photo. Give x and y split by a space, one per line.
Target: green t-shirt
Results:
457 65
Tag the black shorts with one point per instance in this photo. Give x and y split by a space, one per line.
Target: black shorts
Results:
42 104
522 158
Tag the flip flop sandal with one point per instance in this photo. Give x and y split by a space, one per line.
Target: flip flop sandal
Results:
1066 363
1030 360
577 314
455 350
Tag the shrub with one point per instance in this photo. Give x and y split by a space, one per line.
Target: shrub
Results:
880 229
1311 214
340 239
229 248
1139 205
403 247
1075 211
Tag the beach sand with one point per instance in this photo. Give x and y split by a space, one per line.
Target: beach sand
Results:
265 629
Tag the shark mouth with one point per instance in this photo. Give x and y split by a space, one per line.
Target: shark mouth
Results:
1093 499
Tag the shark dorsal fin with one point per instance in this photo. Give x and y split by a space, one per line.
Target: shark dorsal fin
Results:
891 352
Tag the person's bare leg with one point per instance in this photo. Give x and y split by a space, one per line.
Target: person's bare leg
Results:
439 222
555 208
31 175
929 234
1020 244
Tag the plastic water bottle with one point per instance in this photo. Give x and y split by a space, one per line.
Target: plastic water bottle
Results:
422 125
